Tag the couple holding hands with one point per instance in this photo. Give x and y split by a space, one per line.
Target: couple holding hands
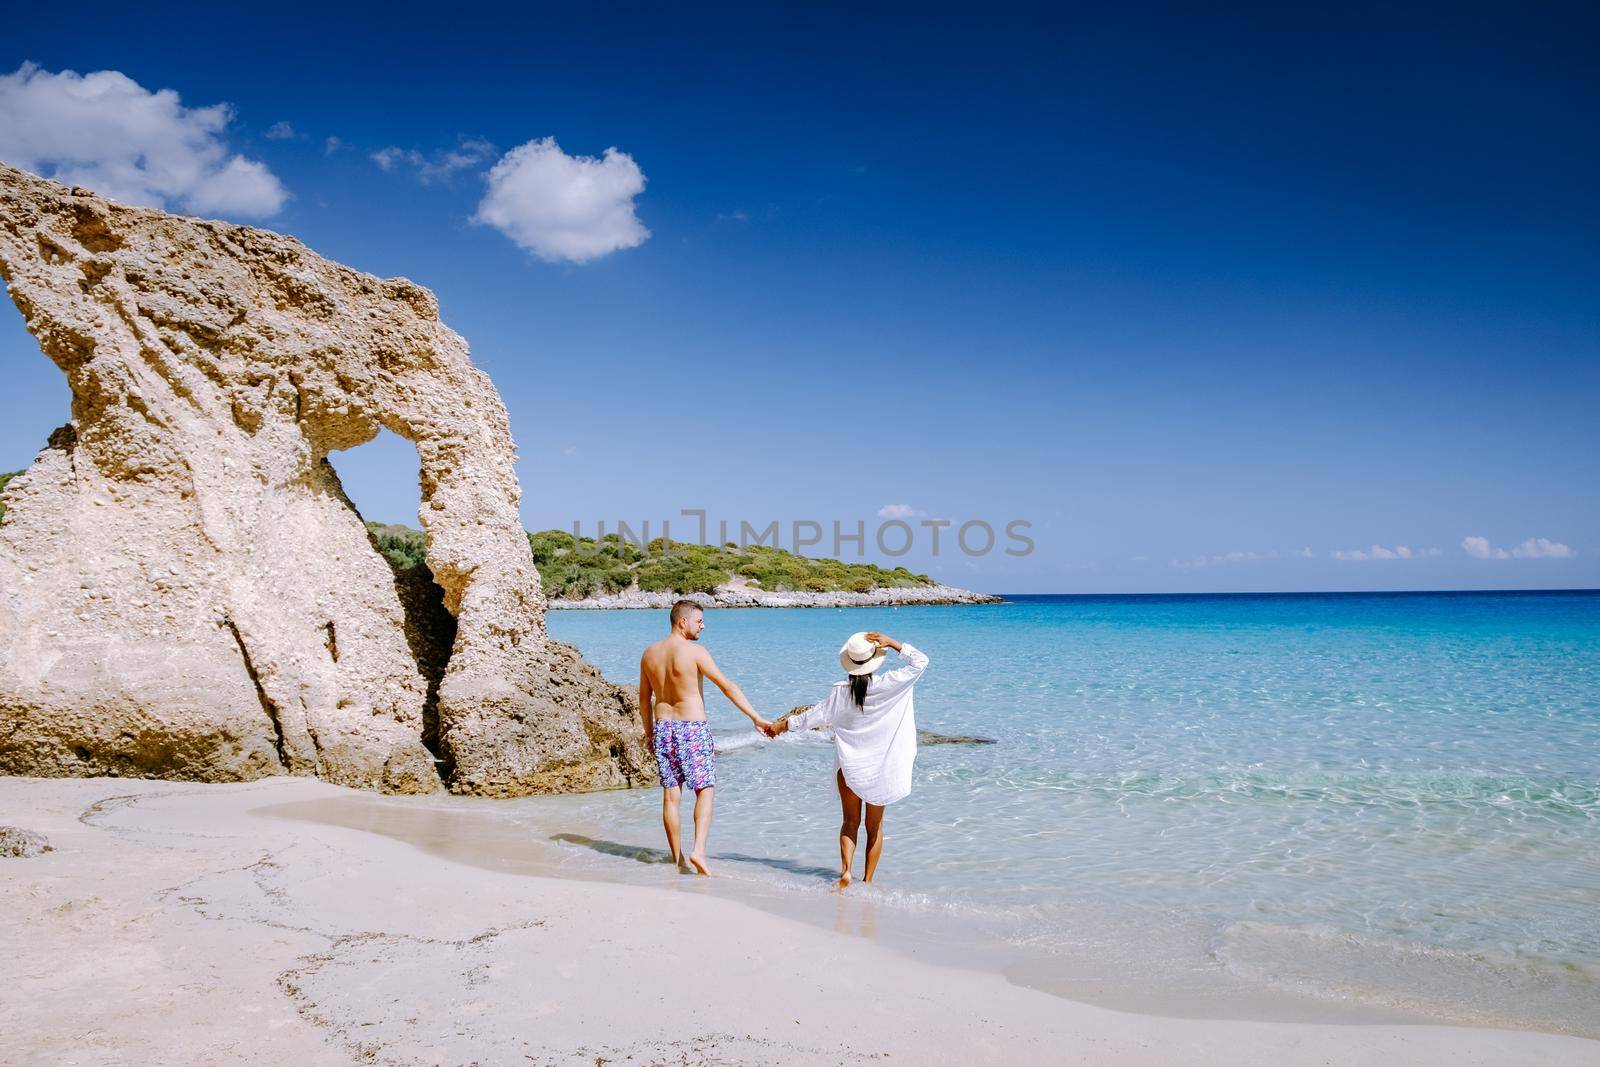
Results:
874 731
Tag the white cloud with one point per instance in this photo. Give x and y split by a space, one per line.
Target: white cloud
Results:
107 132
439 165
1532 548
280 131
1302 553
561 207
1542 548
391 157
1225 559
1380 552
899 511
331 145
242 181
469 153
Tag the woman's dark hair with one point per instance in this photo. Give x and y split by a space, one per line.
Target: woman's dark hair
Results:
858 689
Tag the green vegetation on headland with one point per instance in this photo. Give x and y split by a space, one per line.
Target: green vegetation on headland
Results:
572 568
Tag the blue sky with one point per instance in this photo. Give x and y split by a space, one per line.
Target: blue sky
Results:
1190 293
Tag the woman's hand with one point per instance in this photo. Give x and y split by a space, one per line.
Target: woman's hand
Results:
883 640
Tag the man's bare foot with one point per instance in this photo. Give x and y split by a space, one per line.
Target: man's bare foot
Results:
698 862
844 882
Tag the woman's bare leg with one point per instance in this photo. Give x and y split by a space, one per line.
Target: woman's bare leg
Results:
874 839
669 820
850 823
702 828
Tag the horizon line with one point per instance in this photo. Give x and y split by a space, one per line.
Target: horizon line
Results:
1317 592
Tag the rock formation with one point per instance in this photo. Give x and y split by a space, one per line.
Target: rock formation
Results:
19 844
185 590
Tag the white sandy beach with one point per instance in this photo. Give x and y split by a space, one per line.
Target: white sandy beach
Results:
175 923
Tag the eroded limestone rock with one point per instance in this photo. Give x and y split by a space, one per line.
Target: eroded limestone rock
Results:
185 590
17 843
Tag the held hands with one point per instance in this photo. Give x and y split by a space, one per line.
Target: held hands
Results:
771 729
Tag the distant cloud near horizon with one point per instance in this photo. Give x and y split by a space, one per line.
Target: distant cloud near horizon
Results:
1224 559
561 207
899 511
1532 548
1380 552
106 132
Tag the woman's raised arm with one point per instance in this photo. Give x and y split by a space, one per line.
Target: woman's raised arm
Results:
916 663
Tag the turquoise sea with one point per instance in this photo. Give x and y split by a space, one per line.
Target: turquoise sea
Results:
1384 803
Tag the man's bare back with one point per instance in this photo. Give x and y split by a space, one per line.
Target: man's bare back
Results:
672 669
672 674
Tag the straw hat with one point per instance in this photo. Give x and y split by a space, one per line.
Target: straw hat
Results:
860 656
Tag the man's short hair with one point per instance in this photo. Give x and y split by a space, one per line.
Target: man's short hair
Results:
681 609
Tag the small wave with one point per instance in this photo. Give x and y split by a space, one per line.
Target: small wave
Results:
754 739
739 742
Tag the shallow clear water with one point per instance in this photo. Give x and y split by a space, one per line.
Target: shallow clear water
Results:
1388 800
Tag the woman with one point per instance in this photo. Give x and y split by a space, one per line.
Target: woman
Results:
874 735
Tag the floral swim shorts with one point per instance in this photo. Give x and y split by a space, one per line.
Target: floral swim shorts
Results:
685 754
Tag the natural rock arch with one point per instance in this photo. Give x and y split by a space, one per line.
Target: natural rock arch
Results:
185 590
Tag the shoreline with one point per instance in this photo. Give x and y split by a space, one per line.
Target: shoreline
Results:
180 921
747 597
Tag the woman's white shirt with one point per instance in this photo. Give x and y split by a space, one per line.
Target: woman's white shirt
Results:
876 744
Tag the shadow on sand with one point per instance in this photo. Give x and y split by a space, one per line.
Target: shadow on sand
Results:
660 855
613 848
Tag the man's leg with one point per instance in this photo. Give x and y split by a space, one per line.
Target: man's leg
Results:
702 828
670 797
874 839
849 825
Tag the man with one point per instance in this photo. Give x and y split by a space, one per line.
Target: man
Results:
672 703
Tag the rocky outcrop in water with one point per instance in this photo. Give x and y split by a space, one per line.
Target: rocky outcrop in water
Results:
186 591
